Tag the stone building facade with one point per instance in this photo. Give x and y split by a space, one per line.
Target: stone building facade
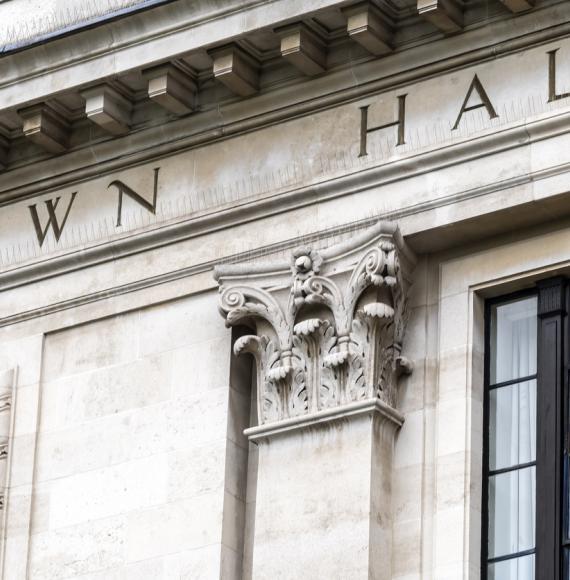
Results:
283 289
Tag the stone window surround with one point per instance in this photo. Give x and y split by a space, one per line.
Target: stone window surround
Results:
457 421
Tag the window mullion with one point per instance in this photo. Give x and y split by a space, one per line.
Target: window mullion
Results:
551 319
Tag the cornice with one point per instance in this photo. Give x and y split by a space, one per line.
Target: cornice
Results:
126 45
277 106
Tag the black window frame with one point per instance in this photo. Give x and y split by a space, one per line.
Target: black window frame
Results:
552 428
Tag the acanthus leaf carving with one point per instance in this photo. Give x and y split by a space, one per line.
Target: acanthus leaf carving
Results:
336 337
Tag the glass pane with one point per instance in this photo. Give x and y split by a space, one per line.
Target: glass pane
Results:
566 571
515 569
512 428
513 340
512 512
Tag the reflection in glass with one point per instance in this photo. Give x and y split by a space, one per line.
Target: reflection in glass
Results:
513 340
511 512
515 569
512 428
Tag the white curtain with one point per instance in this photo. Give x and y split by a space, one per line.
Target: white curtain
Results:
513 438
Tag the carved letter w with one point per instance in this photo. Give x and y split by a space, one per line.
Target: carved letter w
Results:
52 222
124 189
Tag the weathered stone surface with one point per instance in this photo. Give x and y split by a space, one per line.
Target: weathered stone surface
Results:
366 26
123 455
444 14
236 69
106 107
171 88
45 127
303 49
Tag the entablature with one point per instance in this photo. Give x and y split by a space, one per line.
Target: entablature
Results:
180 59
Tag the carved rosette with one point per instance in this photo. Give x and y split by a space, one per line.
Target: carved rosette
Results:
329 328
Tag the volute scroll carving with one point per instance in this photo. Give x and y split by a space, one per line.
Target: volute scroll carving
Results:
330 336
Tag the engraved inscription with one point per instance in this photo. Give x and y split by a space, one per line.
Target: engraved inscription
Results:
400 123
552 96
485 101
52 222
124 189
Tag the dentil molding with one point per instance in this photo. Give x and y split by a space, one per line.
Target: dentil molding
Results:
329 327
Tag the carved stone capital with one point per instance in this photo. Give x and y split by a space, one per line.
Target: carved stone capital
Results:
329 326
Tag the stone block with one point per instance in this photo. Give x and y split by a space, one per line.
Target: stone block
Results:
367 26
171 88
446 15
82 397
196 470
311 465
199 564
236 69
174 527
180 323
96 345
46 127
201 366
303 48
113 490
76 550
108 108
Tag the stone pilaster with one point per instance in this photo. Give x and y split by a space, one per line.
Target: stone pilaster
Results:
329 327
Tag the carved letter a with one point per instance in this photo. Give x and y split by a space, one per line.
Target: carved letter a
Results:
485 101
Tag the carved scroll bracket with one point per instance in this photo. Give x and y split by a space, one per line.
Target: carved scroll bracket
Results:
329 328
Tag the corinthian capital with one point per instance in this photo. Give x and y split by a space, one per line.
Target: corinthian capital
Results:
329 325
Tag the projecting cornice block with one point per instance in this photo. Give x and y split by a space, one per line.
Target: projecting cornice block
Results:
443 14
366 26
45 127
303 49
171 88
236 69
518 5
108 109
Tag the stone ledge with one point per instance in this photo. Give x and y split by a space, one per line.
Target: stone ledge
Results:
366 407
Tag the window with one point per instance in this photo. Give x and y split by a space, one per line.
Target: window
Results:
526 503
